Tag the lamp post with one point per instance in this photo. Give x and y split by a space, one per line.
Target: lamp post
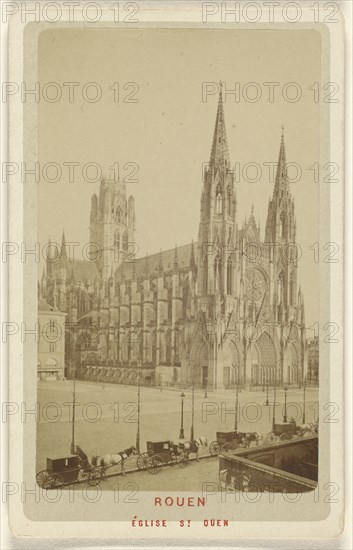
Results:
274 407
304 399
181 434
267 403
192 406
138 413
236 405
73 413
285 404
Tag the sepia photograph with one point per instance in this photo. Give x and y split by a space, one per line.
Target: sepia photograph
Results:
179 295
176 330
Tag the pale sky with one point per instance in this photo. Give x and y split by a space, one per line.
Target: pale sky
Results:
168 133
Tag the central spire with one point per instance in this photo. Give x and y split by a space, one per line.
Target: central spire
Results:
281 181
219 152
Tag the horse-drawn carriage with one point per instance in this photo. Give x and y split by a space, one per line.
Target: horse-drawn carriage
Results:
64 470
288 430
159 454
227 441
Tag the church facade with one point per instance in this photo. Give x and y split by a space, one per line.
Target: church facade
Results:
223 310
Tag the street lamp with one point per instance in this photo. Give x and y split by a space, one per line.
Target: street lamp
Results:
274 406
267 403
285 404
192 405
138 413
181 434
236 404
73 413
304 399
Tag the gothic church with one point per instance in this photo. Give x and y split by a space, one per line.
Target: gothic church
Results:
220 311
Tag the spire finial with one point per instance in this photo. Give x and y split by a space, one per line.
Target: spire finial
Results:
160 266
192 255
219 151
63 247
147 267
176 263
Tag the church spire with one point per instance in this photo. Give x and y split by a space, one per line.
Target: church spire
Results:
192 256
63 247
281 181
219 152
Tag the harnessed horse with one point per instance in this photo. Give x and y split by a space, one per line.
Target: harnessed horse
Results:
114 459
193 446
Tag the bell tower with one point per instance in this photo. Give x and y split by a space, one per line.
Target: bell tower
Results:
280 237
112 226
216 240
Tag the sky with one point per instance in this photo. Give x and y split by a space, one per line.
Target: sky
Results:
168 131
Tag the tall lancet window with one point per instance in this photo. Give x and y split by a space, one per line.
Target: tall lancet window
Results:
229 198
219 200
116 245
217 275
291 289
206 274
280 290
282 225
125 242
229 276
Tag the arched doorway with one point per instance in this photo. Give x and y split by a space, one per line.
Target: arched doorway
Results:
231 367
263 361
199 367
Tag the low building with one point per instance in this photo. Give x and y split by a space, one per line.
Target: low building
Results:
51 344
313 362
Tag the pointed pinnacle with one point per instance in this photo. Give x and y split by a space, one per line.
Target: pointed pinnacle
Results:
192 255
176 263
160 266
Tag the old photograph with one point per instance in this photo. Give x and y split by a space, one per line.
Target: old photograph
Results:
178 299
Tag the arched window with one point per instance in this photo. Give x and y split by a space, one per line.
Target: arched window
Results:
118 214
206 274
218 200
279 290
125 242
229 276
229 209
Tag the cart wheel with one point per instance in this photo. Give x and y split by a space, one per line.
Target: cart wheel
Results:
95 477
41 477
155 464
183 460
214 448
283 437
142 461
225 448
53 481
271 438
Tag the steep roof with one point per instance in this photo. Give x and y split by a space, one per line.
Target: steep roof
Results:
150 264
